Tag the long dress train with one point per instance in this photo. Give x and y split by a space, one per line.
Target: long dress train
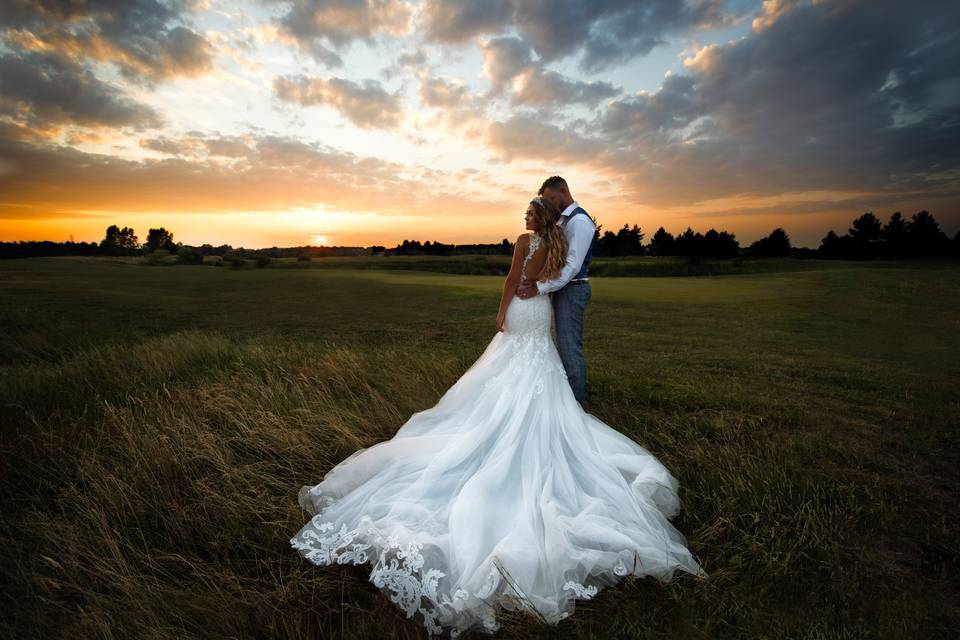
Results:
504 494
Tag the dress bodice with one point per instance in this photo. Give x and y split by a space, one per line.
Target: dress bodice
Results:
530 317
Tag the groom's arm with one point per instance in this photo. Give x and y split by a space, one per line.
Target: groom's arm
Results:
581 235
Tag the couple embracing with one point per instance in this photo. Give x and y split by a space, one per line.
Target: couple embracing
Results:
506 494
554 261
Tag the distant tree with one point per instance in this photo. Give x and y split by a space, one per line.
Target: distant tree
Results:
718 244
630 241
605 245
829 246
925 239
776 245
956 245
160 239
689 243
866 234
662 243
834 247
119 242
866 228
894 237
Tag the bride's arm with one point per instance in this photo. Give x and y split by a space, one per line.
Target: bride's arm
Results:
513 278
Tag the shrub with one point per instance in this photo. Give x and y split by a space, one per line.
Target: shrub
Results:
234 261
189 256
158 257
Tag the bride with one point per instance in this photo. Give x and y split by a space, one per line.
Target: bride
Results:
505 493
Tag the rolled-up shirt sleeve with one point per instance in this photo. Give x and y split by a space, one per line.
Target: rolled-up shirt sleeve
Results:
579 239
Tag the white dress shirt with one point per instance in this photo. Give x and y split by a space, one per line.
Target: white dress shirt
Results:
579 231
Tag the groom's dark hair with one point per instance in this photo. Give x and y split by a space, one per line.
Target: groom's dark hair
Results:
552 183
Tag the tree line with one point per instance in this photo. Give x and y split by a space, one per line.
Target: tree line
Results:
428 248
868 238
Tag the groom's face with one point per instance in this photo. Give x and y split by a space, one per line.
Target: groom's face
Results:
554 197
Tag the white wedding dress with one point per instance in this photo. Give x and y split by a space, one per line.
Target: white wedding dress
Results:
504 494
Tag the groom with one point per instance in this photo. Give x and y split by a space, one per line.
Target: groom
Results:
571 289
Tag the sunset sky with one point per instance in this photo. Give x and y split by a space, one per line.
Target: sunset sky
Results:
269 123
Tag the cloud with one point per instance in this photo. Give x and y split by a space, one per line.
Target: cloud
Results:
530 137
438 92
602 32
828 95
264 173
505 58
324 27
771 11
144 38
539 87
43 93
453 108
365 104
510 67
200 146
671 107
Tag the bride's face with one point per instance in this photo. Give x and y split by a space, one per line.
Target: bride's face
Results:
529 219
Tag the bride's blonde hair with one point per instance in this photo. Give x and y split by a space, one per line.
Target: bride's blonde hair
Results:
546 216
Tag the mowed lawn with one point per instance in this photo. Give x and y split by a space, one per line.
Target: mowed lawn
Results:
157 423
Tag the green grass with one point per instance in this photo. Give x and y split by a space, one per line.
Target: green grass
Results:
158 422
630 266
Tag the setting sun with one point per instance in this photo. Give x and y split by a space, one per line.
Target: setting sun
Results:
262 121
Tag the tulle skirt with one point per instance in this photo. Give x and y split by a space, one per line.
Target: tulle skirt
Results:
504 494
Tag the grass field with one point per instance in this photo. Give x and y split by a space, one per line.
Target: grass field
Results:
158 422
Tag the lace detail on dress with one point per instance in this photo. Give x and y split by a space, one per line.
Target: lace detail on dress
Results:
532 249
398 570
581 591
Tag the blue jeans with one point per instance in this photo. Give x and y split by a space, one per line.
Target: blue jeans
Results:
569 304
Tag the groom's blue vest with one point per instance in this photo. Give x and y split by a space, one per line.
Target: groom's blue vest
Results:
584 268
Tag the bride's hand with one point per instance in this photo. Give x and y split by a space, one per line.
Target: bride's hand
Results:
500 320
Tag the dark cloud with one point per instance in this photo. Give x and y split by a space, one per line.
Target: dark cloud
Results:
146 39
365 104
672 107
540 87
42 91
324 27
828 96
605 32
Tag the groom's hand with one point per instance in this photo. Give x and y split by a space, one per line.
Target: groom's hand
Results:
526 291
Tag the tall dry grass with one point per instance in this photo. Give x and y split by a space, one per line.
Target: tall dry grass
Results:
150 484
